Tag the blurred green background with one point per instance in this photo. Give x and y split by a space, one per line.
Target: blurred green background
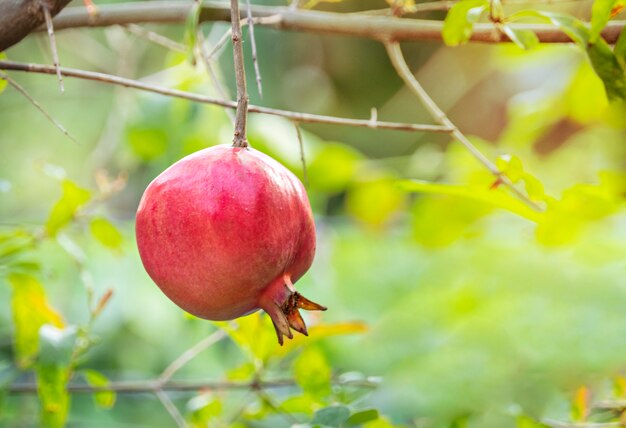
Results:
475 315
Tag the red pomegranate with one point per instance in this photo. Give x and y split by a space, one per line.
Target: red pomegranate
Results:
227 231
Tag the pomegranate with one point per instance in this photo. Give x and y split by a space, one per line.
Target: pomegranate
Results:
227 231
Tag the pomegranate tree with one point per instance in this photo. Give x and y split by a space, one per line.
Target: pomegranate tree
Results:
227 231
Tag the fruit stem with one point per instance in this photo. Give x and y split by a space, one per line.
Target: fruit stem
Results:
239 139
283 303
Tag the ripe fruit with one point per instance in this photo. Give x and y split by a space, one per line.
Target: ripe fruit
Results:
227 231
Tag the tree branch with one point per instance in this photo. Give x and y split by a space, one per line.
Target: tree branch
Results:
152 386
382 28
299 117
241 116
18 18
399 63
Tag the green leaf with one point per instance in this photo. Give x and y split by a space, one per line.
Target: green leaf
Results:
573 27
375 202
333 167
72 198
203 409
106 233
55 400
459 23
525 39
608 68
30 311
600 15
147 143
620 48
495 197
362 417
332 416
104 398
312 373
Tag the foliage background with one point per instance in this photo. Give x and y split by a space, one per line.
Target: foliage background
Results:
469 314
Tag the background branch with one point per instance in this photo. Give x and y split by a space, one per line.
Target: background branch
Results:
382 28
299 117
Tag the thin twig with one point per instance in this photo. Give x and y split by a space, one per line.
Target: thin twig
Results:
38 106
206 60
239 138
305 176
297 116
268 401
156 38
397 59
373 27
171 409
151 386
53 43
220 43
255 59
190 354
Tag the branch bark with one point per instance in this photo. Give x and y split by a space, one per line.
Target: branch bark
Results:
18 18
381 28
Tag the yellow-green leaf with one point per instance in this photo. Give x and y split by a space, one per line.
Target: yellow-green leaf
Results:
495 197
30 311
104 397
600 15
525 39
459 23
106 233
375 202
72 198
313 373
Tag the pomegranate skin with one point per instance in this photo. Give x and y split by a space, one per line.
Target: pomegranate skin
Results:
224 232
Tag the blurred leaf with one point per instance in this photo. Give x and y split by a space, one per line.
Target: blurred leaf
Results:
619 386
332 416
53 370
304 403
245 371
203 408
581 404
511 166
63 211
586 99
312 3
254 334
313 373
526 422
321 331
375 202
495 197
620 48
379 423
333 167
600 15
3 83
608 68
104 398
459 23
534 187
30 311
13 245
106 233
147 143
525 39
362 417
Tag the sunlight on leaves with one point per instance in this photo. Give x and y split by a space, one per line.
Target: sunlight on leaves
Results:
30 311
